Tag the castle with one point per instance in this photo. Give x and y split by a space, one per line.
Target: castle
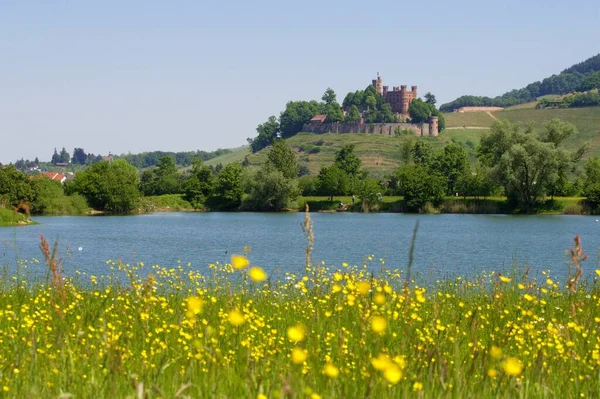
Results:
399 98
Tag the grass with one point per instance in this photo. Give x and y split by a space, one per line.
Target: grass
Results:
379 154
466 119
348 332
174 202
8 217
236 155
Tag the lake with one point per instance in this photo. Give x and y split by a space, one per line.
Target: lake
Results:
446 245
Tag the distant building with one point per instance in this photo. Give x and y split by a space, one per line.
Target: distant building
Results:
59 177
318 120
399 97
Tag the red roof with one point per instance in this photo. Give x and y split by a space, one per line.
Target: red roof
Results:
319 118
55 176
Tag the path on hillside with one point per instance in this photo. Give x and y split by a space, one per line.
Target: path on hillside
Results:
490 114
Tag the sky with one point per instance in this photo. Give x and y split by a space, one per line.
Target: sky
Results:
134 76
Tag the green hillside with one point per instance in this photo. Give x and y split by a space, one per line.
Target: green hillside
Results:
236 155
8 217
587 121
379 154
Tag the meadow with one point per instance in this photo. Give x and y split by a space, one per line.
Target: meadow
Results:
231 330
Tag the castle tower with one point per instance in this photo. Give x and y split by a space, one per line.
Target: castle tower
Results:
413 89
433 126
378 84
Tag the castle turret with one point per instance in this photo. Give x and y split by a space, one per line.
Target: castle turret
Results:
379 84
433 126
385 90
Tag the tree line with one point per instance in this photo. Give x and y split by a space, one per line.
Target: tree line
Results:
580 77
513 161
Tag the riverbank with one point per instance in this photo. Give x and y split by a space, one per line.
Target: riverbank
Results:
9 218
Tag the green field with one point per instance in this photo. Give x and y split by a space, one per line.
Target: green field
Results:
468 119
236 155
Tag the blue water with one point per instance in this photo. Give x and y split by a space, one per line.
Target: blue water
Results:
446 245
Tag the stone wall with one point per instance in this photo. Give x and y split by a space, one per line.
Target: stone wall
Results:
385 129
479 109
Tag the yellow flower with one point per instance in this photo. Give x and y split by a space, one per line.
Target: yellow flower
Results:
598 272
299 355
257 274
505 279
363 287
331 371
381 362
378 324
194 306
379 299
495 352
512 366
239 261
262 396
296 333
528 297
492 373
417 386
236 318
315 395
393 373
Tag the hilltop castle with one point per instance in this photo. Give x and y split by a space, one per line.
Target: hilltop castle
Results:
399 98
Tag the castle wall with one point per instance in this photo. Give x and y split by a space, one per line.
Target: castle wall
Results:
384 129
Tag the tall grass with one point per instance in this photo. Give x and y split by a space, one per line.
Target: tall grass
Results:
343 332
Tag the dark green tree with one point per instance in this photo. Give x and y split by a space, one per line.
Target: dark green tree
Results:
430 98
420 185
282 158
199 185
79 156
55 157
353 114
329 97
296 114
111 187
15 187
270 190
422 152
228 190
332 181
347 160
525 164
267 132
452 162
64 156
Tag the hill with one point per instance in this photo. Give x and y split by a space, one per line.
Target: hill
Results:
586 120
379 154
570 79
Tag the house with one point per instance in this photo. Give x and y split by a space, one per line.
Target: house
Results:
60 177
317 120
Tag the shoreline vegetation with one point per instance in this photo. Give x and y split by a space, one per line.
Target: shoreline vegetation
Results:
349 331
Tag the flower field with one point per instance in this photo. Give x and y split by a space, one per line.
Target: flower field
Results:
232 331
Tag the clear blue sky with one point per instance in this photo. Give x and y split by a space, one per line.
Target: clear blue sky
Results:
148 75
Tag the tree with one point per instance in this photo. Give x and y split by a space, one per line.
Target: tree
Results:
199 185
347 160
267 132
524 164
163 179
353 115
296 114
332 181
55 157
270 190
422 152
430 99
111 187
64 156
406 150
329 97
79 156
228 190
334 113
283 159
452 162
420 185
15 187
